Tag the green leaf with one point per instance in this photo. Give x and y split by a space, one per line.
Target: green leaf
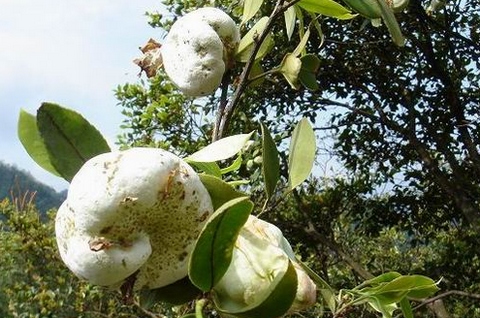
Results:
330 299
236 183
220 191
270 162
290 18
303 42
221 149
214 247
302 153
406 308
386 309
210 168
245 47
326 7
250 8
69 138
390 21
308 71
383 278
414 286
367 8
233 167
275 301
32 141
290 68
177 293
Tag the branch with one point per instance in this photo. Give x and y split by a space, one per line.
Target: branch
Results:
446 294
222 125
222 105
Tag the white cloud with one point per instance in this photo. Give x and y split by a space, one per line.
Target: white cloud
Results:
70 52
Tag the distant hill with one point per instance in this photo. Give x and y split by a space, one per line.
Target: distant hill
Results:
16 182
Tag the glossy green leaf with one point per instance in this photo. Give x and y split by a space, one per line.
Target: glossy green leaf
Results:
246 45
290 68
221 149
308 71
220 191
250 8
214 247
326 7
32 141
406 308
390 21
236 164
424 287
210 168
414 286
270 162
177 293
275 301
302 153
69 138
382 278
290 18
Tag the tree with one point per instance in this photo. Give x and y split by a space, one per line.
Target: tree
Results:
389 130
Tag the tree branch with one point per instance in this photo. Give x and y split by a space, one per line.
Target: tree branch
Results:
227 112
446 294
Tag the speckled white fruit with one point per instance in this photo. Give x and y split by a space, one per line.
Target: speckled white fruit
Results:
138 212
198 49
261 253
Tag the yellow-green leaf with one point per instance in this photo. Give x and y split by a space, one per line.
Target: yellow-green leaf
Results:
290 18
246 45
290 68
250 8
221 149
302 153
32 141
390 21
327 7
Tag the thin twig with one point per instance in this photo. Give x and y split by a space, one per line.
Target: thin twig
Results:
226 114
446 294
221 105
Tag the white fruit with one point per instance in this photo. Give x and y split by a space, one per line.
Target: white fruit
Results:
261 253
135 212
198 49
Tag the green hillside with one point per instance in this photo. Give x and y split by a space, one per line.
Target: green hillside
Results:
15 182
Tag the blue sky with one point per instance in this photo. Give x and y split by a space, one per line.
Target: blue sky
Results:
70 52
